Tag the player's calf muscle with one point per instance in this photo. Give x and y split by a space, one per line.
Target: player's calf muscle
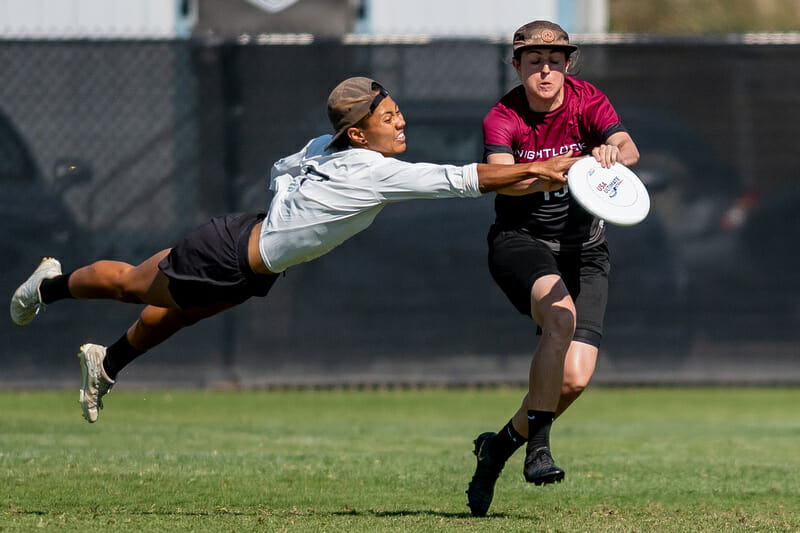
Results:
105 279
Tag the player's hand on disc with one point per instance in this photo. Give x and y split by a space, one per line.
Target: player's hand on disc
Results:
614 194
606 154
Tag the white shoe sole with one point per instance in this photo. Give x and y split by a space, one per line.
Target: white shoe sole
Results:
90 413
22 314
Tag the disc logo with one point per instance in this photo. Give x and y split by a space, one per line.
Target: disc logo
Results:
609 189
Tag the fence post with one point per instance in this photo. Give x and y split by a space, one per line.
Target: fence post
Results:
232 109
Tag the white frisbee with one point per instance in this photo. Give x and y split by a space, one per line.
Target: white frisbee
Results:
615 194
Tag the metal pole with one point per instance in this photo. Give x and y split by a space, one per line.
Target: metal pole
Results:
232 107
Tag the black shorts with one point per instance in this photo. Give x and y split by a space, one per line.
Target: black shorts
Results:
517 260
210 265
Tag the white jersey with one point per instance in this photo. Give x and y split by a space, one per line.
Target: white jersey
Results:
323 198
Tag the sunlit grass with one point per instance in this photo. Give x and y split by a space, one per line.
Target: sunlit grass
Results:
636 460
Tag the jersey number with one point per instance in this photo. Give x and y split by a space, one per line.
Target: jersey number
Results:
561 193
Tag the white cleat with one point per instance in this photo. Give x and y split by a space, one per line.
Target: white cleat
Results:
95 383
27 301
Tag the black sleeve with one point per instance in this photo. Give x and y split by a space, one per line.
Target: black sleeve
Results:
495 149
612 129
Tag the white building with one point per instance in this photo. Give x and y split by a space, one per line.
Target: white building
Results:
479 18
96 19
163 19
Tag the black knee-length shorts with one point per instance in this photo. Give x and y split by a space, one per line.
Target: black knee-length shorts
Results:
210 266
517 260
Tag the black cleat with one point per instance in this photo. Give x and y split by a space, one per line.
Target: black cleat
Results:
481 488
540 468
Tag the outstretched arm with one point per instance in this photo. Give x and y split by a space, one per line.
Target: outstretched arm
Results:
524 178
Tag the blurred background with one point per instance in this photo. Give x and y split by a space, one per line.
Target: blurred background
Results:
125 123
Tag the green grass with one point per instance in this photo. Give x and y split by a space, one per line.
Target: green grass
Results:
682 17
636 460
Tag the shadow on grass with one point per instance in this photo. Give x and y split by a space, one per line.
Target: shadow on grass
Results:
419 512
234 512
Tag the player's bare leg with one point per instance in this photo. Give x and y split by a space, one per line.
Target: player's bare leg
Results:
157 324
100 365
579 367
553 309
115 280
111 280
123 282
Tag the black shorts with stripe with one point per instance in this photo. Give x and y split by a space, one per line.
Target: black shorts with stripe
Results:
517 260
210 264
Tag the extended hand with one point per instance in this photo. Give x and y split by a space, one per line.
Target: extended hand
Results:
552 173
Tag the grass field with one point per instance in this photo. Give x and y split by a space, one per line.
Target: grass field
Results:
637 459
709 16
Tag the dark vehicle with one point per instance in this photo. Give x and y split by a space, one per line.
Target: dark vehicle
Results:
33 217
769 233
34 221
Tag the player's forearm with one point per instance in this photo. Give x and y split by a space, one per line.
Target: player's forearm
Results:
628 153
523 187
495 177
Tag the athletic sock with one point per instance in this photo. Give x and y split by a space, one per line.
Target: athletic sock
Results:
118 356
507 441
55 289
539 423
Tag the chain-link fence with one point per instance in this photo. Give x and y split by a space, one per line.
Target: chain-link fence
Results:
114 149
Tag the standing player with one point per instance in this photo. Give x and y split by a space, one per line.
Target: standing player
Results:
326 193
547 254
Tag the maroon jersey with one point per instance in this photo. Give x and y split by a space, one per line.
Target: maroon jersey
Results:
584 120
